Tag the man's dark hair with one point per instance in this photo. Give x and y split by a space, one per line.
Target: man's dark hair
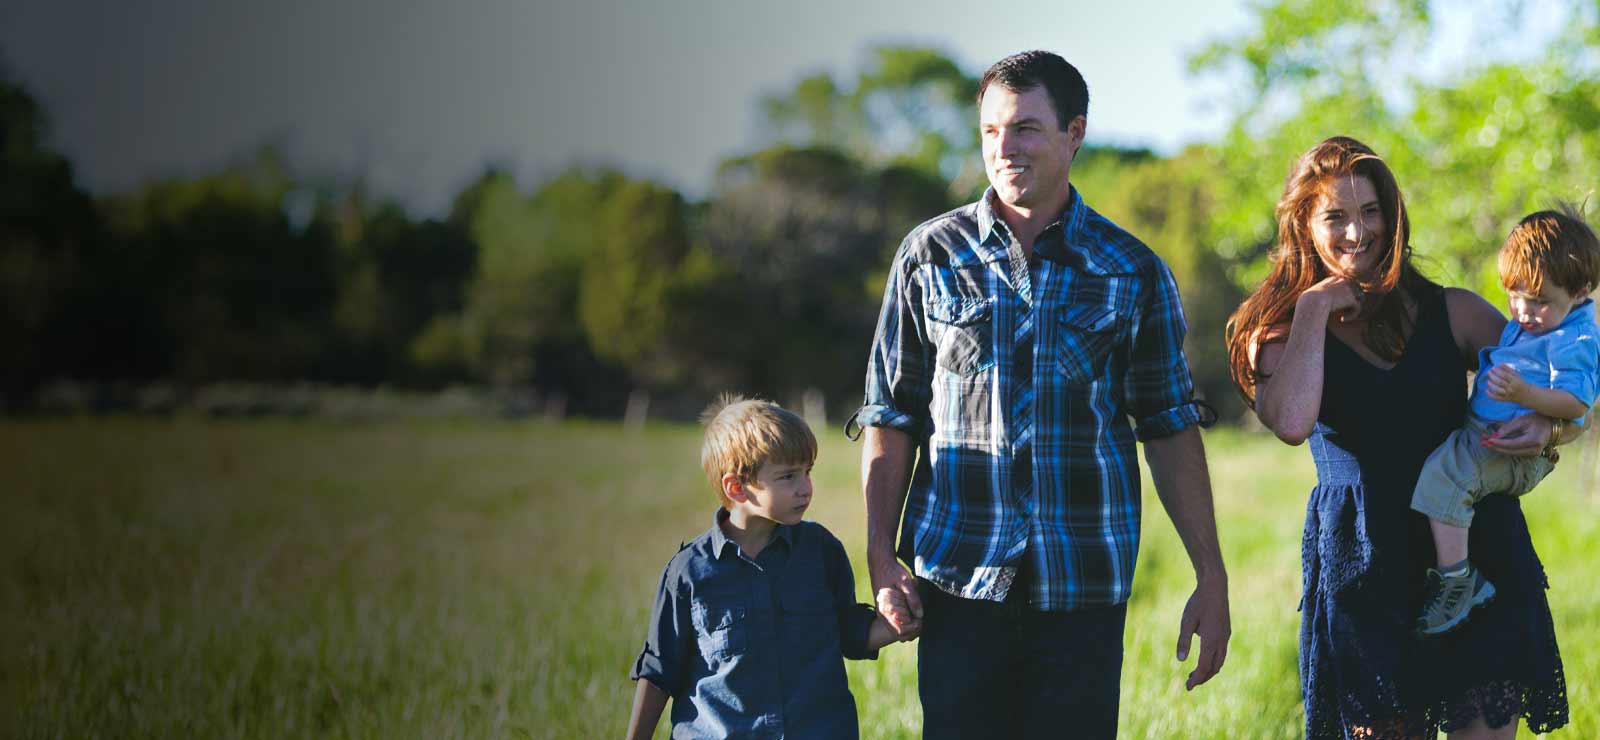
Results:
1030 69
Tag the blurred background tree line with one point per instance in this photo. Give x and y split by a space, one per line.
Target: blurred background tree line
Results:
593 284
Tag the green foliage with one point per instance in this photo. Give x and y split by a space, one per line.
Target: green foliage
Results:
911 106
802 229
1473 152
48 231
627 279
1167 203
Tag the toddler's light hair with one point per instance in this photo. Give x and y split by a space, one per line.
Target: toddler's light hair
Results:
742 434
1554 245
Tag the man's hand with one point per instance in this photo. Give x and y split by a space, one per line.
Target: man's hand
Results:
897 597
1206 614
892 607
1506 384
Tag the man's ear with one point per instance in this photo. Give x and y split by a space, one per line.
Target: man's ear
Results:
733 488
1078 130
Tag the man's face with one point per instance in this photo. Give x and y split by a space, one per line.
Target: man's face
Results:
1025 153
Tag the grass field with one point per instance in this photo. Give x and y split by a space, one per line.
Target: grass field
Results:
187 578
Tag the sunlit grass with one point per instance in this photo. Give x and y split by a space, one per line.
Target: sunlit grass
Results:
479 579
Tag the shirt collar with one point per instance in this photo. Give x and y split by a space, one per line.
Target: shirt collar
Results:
1582 312
994 236
720 539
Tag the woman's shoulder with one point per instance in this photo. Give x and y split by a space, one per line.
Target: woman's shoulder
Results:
1474 322
1466 306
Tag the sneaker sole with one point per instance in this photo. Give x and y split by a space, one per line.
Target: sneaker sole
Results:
1478 599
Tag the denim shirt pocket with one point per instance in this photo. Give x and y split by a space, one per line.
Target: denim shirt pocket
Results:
810 621
720 630
1087 334
963 330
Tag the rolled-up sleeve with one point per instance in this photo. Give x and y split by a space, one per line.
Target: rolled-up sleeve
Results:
898 391
1157 388
855 619
666 644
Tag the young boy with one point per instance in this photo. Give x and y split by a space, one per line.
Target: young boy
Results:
754 617
1547 362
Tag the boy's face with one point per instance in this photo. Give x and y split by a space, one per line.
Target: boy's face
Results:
1541 312
781 492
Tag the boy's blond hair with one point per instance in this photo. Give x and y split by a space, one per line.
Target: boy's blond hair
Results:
1554 245
742 434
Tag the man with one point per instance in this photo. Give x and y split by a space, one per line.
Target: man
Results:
1017 336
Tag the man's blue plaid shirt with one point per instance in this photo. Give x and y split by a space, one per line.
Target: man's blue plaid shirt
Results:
1011 469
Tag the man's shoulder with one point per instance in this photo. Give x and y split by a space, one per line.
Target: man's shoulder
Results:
945 238
1122 251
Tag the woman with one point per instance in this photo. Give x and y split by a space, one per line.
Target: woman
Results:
1346 345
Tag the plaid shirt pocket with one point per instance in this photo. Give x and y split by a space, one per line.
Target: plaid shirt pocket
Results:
1088 335
963 330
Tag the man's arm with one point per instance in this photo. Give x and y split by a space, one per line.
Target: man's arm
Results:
648 702
886 459
1178 467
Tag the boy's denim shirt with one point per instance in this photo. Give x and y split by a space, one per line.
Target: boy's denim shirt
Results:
755 648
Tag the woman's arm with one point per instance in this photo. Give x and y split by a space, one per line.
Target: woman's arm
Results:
1289 398
1474 323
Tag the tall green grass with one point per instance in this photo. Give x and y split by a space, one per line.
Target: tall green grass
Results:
265 579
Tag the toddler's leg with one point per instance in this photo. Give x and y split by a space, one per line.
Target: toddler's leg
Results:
1449 544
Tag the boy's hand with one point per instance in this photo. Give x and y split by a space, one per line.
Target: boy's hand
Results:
1506 384
893 608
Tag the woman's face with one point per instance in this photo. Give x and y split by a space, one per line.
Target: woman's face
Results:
1347 225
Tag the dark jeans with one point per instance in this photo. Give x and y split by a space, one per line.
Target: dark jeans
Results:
992 670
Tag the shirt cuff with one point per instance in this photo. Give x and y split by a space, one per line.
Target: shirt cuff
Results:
1176 419
648 666
878 415
854 642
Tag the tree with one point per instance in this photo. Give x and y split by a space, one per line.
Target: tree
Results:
809 232
1474 150
911 106
49 237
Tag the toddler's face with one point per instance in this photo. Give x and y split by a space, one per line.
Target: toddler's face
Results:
1543 311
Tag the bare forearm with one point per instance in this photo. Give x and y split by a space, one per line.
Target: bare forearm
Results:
1178 468
648 702
885 472
1556 404
1289 401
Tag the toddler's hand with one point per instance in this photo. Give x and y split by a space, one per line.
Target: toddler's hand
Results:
1506 384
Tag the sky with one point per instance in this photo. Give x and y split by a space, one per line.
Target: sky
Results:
421 96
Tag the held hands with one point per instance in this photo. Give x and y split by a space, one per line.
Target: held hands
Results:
897 598
1206 614
1506 384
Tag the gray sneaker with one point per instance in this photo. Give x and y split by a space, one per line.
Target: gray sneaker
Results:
1447 600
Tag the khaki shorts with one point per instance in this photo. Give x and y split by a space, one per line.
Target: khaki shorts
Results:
1462 471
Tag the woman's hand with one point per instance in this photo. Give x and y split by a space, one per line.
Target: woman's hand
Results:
1524 436
1341 295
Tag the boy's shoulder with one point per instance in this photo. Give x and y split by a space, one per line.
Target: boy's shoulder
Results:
694 560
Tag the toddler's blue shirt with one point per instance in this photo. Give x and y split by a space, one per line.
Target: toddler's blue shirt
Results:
1566 358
